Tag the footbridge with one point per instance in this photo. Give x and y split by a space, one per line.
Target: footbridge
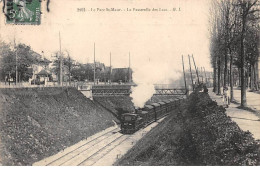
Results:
125 90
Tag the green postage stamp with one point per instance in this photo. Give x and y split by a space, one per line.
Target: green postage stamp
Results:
25 12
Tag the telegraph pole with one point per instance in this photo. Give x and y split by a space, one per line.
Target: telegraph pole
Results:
184 74
191 74
205 75
61 60
196 69
70 65
129 73
201 74
94 65
16 71
110 70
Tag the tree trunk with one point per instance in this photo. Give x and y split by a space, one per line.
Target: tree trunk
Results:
243 84
255 76
215 77
225 70
247 76
251 77
228 78
231 78
239 77
219 73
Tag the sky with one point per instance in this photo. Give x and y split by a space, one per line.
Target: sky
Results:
156 40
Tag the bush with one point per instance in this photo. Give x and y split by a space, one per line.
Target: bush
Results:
218 140
198 133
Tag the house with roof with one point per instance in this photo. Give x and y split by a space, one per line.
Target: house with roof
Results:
40 70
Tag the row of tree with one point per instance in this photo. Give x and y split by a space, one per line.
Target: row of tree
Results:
82 72
234 48
18 61
18 58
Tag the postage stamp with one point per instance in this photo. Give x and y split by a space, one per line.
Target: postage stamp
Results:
24 12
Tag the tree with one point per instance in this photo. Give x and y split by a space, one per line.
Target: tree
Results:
67 63
7 61
247 10
25 59
234 34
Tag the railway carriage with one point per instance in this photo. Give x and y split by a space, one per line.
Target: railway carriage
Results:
151 112
144 115
163 109
157 110
131 122
167 103
172 104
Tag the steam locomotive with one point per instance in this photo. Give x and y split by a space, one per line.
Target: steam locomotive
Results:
131 122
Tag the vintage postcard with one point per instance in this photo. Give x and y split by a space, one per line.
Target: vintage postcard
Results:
129 83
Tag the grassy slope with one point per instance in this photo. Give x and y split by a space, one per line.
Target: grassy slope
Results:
160 145
116 104
199 134
38 123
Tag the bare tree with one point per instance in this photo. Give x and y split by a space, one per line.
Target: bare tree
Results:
246 8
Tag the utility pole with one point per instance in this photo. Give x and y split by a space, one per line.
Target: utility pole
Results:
196 69
205 75
61 60
94 65
201 74
70 64
129 70
16 71
191 74
184 74
110 70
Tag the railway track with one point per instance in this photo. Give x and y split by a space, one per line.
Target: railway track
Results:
72 151
101 149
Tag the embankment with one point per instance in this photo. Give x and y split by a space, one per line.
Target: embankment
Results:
199 133
37 123
117 105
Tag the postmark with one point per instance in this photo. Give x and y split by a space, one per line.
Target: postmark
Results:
23 12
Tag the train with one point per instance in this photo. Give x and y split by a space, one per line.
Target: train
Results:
133 121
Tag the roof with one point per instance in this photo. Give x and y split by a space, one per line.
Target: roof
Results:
155 104
43 72
125 70
129 114
45 61
167 101
144 112
98 65
35 54
161 103
148 106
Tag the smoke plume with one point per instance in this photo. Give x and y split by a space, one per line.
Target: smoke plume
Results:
145 76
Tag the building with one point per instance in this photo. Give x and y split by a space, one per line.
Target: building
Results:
122 75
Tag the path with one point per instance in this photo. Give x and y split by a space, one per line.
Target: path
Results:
253 99
245 119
